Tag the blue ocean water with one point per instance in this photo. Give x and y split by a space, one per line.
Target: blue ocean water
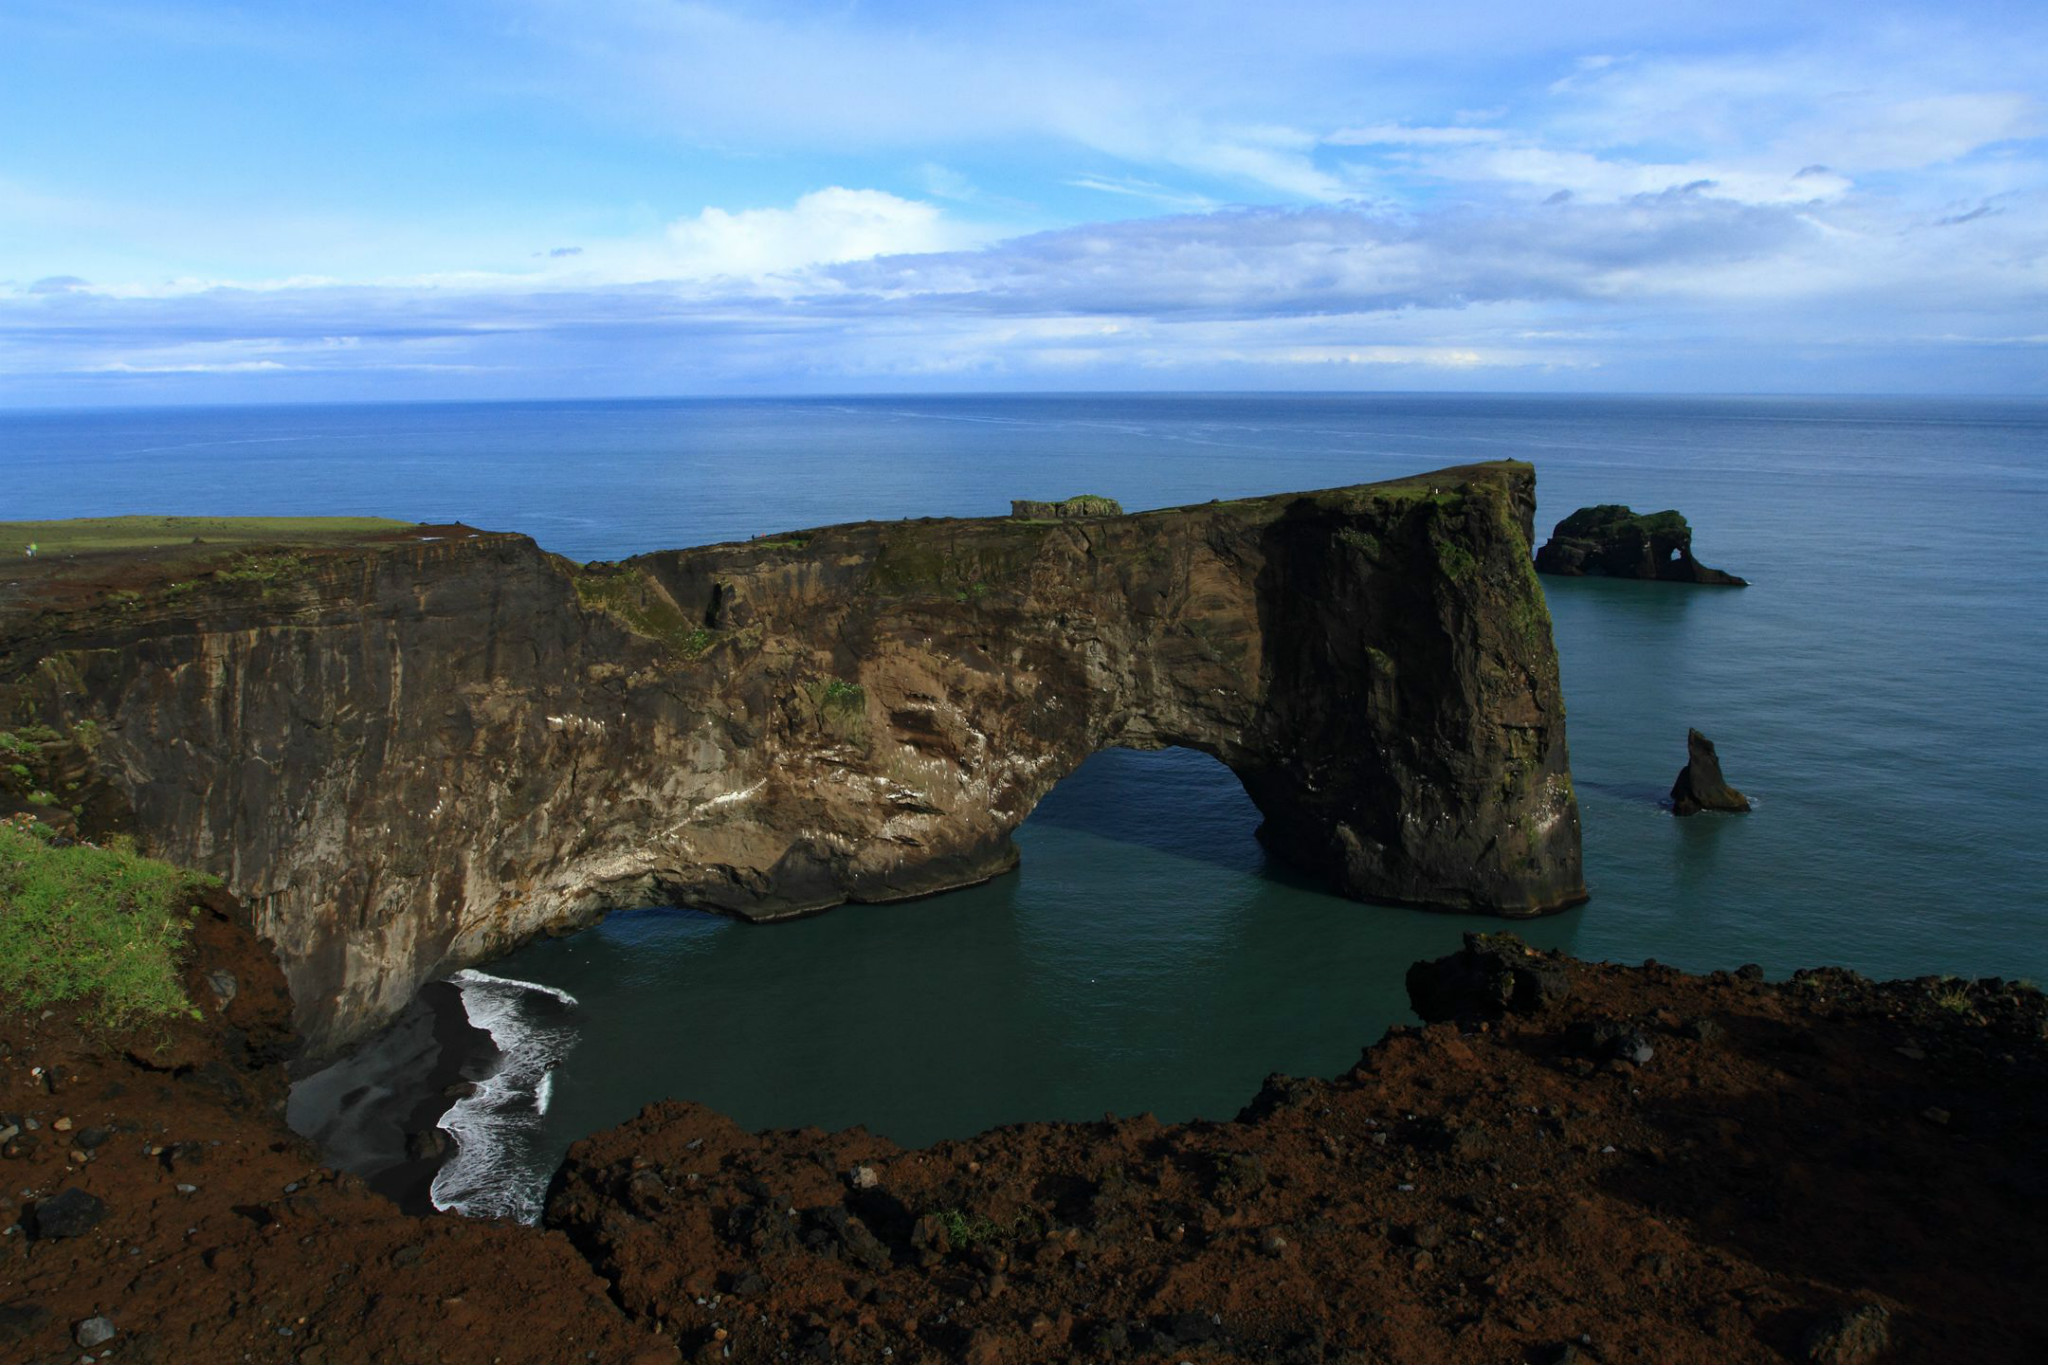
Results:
1879 692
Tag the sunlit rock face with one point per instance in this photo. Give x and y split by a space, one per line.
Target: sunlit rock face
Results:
414 753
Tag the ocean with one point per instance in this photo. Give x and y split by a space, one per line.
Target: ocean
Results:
1878 692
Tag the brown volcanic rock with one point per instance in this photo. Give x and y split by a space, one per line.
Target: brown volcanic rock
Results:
412 754
1768 1174
1826 1169
214 1234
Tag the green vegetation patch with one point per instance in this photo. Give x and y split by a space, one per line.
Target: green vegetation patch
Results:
264 570
1080 505
841 707
638 602
963 1231
1455 560
83 535
103 926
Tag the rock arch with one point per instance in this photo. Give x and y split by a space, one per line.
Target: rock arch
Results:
419 753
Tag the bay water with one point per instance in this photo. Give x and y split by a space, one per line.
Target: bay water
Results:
1878 692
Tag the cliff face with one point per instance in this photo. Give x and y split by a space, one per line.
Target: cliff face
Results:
414 753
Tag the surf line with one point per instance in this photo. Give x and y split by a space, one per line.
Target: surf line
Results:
497 1171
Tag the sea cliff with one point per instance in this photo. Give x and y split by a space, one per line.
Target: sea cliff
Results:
412 750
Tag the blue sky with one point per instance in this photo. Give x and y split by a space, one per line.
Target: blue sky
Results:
532 198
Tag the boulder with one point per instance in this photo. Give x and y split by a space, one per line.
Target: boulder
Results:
1491 976
1611 541
1854 1336
1700 785
69 1213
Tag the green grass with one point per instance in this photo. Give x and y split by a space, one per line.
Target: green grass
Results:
636 601
963 1232
103 926
841 708
1455 560
1954 996
267 570
83 535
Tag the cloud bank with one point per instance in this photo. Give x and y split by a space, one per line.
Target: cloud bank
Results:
775 197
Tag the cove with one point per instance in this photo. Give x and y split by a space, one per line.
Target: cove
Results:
1145 956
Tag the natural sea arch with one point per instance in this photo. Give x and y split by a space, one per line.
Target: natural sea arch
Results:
417 752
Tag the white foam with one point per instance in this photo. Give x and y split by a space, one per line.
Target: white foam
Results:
495 1172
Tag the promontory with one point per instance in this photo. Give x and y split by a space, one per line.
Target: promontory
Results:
410 749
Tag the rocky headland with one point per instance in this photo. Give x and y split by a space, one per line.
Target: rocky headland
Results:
413 749
1613 542
1579 1162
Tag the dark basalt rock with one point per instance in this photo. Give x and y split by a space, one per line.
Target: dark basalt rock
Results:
414 753
1492 975
69 1213
1700 785
1612 541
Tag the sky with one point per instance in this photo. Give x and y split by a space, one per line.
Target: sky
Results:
454 199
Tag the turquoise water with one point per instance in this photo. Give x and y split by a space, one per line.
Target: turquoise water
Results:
1878 692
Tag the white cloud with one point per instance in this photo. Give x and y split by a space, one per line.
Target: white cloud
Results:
823 227
1585 175
1395 134
190 367
1132 188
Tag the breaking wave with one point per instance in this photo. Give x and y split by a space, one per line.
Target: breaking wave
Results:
496 1171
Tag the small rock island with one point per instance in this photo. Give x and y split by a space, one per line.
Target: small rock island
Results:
1700 785
1612 541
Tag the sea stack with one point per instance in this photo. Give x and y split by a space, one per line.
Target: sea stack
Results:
1700 785
1613 542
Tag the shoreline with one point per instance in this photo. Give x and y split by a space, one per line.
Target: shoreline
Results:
464 1055
366 1110
1632 1162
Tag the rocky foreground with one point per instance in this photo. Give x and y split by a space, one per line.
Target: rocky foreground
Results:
1626 1164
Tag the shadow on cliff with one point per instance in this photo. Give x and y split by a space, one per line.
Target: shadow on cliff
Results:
1902 1175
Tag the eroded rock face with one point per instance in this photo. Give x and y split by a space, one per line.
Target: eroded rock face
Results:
1612 541
415 754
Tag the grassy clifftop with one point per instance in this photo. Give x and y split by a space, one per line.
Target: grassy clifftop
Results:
84 535
101 927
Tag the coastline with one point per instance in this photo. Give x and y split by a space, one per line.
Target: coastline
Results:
1645 1165
366 1110
464 1054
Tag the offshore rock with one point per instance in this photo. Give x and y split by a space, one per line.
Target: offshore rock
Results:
1612 541
415 752
1700 785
